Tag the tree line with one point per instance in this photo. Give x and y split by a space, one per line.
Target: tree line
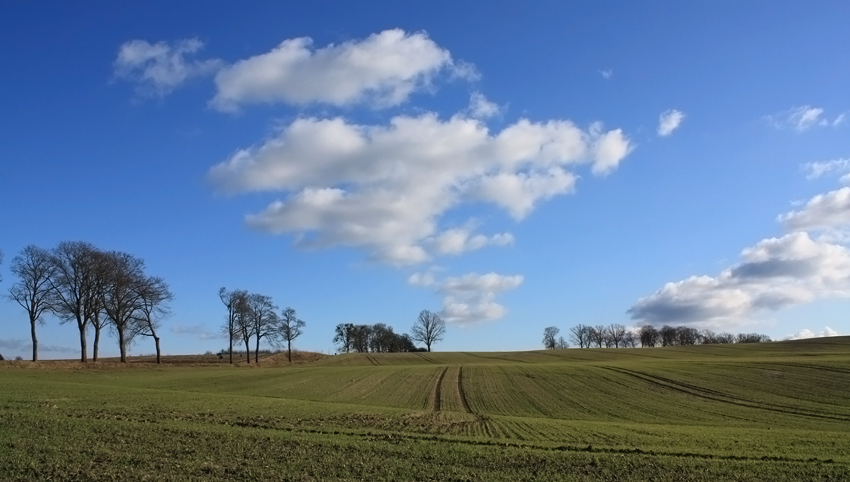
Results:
253 316
79 283
618 336
380 338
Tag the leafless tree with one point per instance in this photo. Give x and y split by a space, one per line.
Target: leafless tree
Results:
73 284
230 298
263 319
123 282
686 335
649 336
154 296
289 328
342 336
598 334
580 335
752 338
667 335
630 340
360 335
429 329
617 334
34 270
243 327
561 344
549 337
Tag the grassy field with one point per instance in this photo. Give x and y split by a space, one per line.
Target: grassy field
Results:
777 411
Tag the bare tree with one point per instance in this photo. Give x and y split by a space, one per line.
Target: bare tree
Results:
580 335
429 329
34 270
667 335
243 328
342 336
686 335
289 328
561 344
263 319
649 336
598 335
73 285
154 296
549 340
630 340
617 334
230 298
123 282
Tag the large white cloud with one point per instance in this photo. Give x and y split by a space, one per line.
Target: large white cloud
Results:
383 70
470 298
773 274
159 68
384 188
806 333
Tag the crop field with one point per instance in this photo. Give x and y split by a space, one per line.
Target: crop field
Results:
774 411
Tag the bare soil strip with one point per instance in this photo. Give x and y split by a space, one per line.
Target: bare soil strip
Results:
460 393
435 394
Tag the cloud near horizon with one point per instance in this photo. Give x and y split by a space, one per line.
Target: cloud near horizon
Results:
798 267
471 298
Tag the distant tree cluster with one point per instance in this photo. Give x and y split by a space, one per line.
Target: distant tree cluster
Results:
380 338
617 336
78 282
253 316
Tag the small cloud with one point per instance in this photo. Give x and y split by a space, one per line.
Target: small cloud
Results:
805 334
157 69
820 168
803 118
481 108
606 73
470 298
669 121
199 331
11 344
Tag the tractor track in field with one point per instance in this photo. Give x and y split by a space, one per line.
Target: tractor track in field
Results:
436 393
429 360
460 394
372 360
716 396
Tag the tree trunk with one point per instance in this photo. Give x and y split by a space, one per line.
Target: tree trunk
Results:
96 342
156 340
121 345
257 351
83 357
289 350
34 342
248 349
231 345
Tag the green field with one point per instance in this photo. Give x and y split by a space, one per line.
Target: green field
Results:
775 411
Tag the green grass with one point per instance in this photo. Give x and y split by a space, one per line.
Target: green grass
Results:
778 411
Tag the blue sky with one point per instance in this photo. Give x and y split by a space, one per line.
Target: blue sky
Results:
509 165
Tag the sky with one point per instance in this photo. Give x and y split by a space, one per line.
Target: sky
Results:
508 165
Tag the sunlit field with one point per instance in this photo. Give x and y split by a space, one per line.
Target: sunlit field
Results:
774 411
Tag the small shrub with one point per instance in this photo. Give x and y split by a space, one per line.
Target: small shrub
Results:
19 358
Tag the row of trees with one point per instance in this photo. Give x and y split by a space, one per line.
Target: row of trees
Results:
617 336
80 283
380 338
254 316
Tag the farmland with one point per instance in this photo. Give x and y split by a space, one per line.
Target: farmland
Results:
775 411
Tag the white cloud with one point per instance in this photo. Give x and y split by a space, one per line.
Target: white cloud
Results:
773 274
669 121
470 298
824 211
803 118
457 241
159 68
383 70
481 108
606 73
384 188
805 334
821 168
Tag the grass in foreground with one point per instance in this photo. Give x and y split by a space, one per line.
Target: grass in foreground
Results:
779 411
